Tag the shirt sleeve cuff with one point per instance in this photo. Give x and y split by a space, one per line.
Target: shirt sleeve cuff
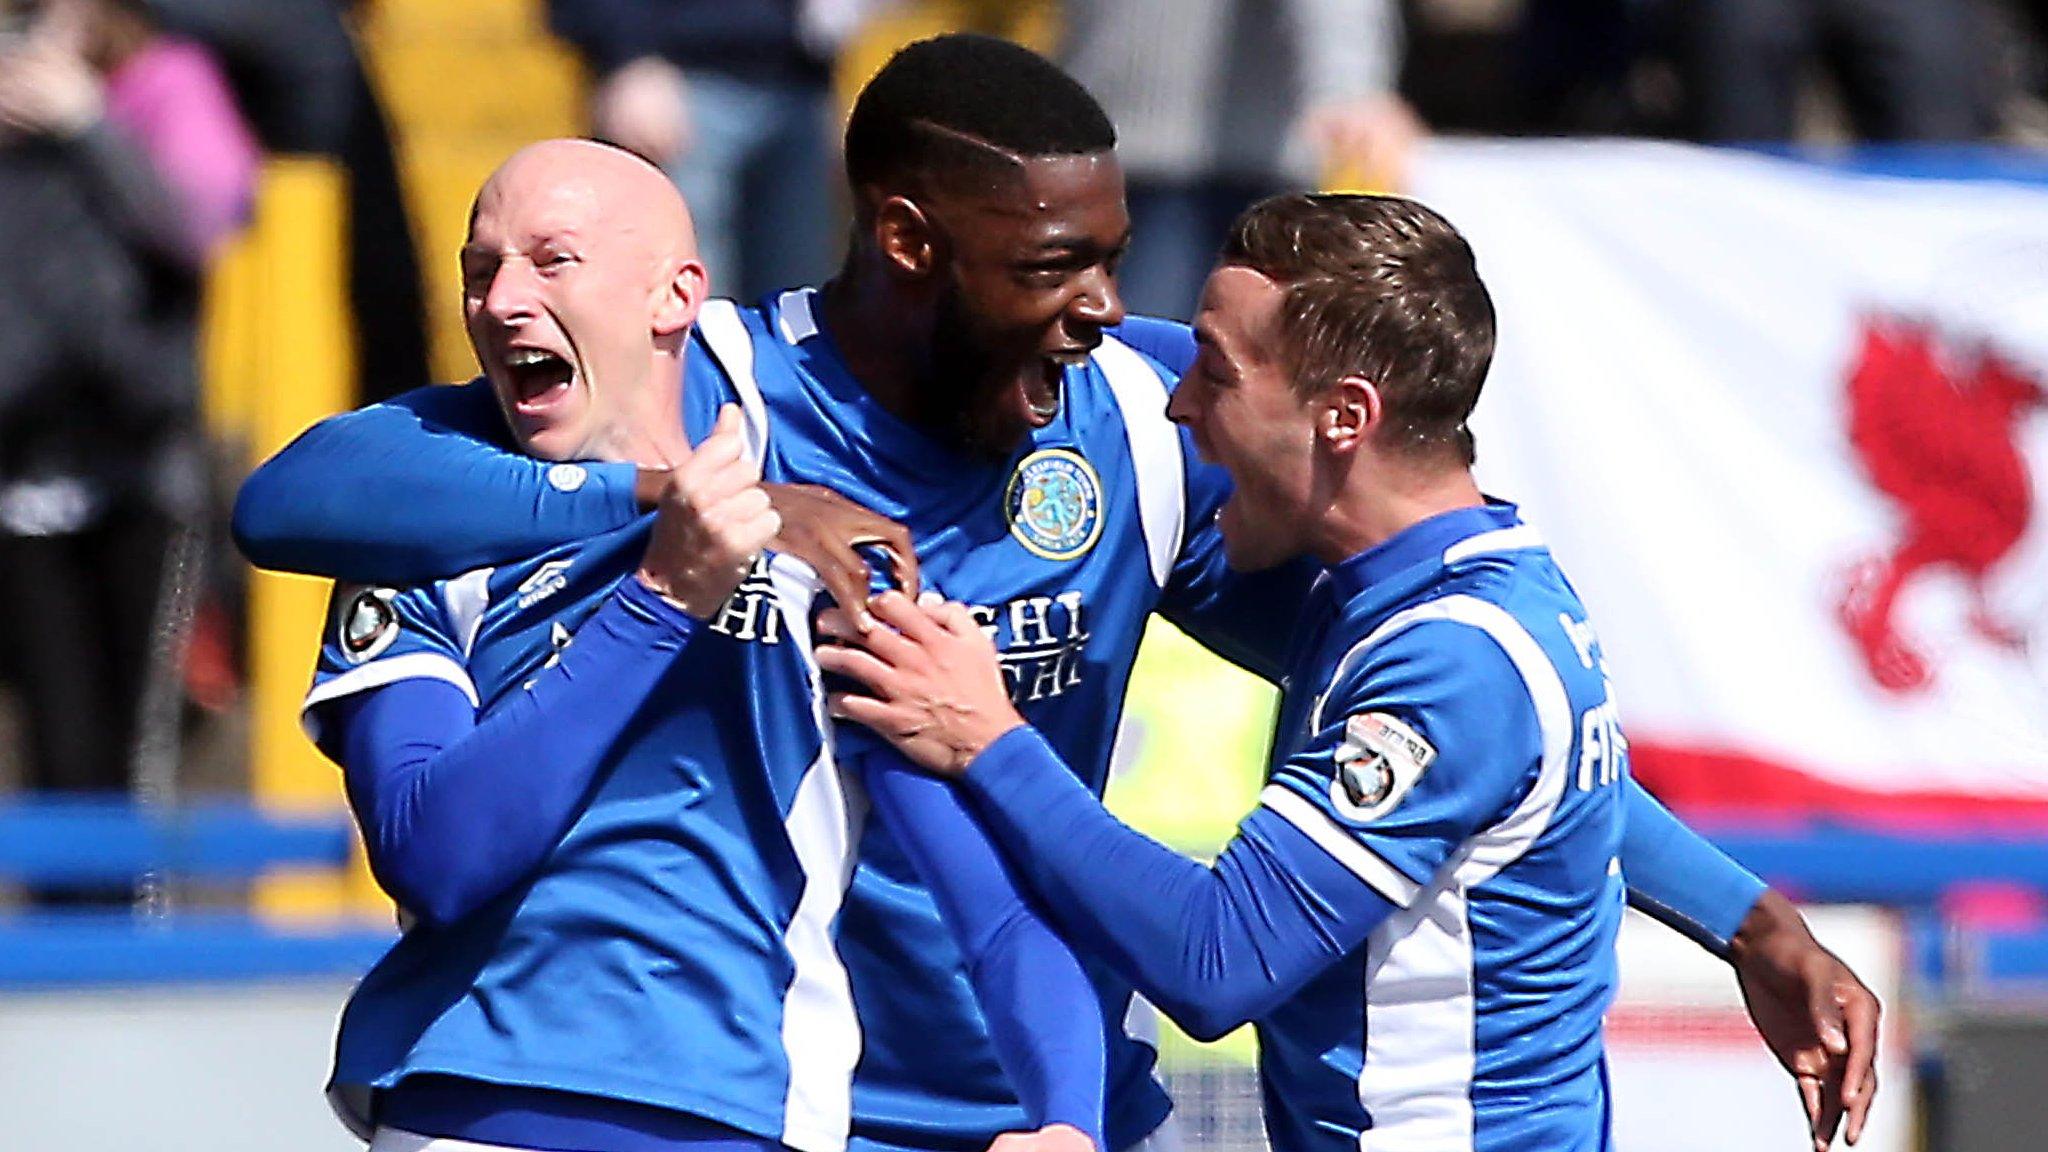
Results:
617 482
1017 769
651 608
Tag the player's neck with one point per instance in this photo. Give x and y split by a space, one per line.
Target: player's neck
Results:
882 341
1376 507
651 435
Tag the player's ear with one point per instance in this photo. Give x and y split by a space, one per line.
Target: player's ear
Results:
1349 411
679 297
906 237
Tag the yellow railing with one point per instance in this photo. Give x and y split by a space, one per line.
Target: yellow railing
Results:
278 354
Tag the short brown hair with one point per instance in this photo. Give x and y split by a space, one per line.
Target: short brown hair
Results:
1379 287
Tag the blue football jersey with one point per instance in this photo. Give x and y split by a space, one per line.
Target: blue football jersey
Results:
675 948
1447 732
1062 549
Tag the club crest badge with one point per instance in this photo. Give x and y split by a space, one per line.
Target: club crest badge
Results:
1379 760
1054 504
365 623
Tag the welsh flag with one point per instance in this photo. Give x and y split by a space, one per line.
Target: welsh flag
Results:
1784 423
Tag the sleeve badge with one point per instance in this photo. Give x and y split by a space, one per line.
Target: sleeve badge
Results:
366 623
1377 762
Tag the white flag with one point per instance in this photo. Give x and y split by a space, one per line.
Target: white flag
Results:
1784 425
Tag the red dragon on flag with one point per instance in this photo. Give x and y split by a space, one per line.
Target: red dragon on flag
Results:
1934 421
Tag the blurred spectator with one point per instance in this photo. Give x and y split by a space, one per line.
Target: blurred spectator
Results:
123 164
1738 71
1908 70
1579 70
733 100
294 68
1218 103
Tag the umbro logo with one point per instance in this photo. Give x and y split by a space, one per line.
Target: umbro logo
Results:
545 581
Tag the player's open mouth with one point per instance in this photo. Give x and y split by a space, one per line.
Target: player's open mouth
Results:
1042 394
539 378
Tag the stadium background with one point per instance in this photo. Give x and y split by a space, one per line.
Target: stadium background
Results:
207 1011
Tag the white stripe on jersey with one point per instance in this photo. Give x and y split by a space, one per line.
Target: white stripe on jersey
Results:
378 673
465 599
1517 538
820 1032
726 335
1416 1080
1156 460
797 322
1316 824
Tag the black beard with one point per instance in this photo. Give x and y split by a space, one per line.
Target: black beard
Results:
954 394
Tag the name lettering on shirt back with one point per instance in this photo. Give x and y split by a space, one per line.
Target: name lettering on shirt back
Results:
1603 749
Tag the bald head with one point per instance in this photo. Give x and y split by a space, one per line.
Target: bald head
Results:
605 188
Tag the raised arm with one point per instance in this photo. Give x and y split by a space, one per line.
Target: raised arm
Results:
418 488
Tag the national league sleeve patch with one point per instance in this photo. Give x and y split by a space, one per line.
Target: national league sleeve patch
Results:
365 623
1378 761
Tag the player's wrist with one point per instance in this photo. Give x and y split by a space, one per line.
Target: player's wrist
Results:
1771 925
979 740
648 603
998 753
686 594
648 485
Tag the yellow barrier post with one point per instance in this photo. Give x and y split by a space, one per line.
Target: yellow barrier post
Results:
1194 742
297 366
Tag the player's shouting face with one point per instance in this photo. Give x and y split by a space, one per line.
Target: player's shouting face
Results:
1019 263
1239 402
580 269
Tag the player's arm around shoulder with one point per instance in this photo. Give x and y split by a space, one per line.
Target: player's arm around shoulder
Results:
417 488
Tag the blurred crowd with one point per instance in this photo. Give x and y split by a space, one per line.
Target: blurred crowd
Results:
132 132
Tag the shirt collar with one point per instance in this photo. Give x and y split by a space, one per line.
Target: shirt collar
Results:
1425 540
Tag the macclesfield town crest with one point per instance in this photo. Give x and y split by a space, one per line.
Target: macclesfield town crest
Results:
1054 504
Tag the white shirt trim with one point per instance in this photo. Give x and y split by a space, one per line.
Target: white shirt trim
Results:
465 598
1344 848
724 332
821 1036
1157 464
1420 1009
1518 538
377 674
798 322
